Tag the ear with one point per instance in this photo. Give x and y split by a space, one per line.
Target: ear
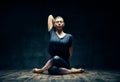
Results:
64 24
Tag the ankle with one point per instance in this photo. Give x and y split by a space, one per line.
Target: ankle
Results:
42 69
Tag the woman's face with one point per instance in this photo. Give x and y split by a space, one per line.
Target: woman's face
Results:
59 23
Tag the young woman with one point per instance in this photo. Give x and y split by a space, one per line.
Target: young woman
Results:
60 49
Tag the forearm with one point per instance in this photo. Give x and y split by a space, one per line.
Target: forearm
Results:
50 22
70 51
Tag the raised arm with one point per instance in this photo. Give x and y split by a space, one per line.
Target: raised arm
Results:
50 22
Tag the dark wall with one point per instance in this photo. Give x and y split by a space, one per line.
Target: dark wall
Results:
24 38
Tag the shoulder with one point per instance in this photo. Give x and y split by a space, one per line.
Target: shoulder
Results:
52 29
51 32
69 35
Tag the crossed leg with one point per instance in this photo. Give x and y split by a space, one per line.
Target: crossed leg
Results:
62 70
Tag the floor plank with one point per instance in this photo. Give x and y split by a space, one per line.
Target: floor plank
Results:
87 76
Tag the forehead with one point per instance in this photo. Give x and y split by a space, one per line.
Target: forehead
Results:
59 19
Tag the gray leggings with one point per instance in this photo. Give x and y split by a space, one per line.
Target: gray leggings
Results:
57 62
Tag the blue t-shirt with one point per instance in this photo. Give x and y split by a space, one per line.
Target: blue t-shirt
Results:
60 46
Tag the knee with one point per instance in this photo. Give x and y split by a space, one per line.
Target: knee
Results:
56 57
56 60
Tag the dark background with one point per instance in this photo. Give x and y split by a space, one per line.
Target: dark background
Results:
24 38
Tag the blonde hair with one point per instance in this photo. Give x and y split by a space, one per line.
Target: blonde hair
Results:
59 17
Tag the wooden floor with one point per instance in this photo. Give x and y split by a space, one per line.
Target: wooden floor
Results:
87 76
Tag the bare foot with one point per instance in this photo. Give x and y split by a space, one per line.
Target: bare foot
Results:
74 70
36 70
81 70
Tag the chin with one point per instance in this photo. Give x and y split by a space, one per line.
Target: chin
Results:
60 28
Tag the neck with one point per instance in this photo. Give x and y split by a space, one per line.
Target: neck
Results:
59 31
